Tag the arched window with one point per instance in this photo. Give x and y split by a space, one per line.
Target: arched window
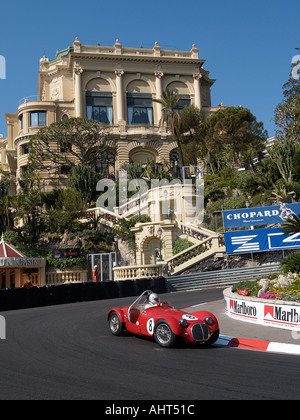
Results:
105 164
99 101
182 90
99 107
139 103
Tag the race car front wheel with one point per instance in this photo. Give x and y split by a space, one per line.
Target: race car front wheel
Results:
115 325
164 335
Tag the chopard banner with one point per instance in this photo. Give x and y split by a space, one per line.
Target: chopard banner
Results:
260 215
258 240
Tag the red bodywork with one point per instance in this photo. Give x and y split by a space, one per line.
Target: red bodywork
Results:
141 320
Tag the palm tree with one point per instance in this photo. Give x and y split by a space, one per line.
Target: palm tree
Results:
169 101
291 226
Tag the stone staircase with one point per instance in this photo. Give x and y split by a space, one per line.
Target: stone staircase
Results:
206 243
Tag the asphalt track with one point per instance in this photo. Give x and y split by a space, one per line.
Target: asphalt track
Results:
67 353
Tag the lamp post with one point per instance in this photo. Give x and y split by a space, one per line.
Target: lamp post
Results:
116 249
159 233
139 200
167 207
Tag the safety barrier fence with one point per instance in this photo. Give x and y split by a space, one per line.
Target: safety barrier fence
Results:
220 278
22 298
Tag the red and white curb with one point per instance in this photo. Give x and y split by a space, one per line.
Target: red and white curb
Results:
250 344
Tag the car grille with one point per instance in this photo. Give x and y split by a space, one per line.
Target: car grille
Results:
200 332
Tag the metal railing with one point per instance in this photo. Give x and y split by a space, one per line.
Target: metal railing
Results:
220 277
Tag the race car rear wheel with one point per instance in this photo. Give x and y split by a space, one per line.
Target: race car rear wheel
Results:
164 335
115 325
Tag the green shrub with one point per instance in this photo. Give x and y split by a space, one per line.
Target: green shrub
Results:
291 263
251 286
180 245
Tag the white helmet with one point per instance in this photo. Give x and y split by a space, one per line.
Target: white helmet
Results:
153 298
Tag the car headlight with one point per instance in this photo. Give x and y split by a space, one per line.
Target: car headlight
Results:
209 320
183 323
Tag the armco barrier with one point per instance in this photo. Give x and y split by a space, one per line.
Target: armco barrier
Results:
22 298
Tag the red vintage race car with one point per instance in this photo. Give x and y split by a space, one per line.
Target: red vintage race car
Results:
149 318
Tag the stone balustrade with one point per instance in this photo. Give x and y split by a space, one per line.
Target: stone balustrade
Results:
61 277
137 272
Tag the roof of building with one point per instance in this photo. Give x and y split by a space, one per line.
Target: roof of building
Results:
62 53
8 251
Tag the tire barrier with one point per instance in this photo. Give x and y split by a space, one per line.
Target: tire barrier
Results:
159 285
141 285
93 291
111 289
23 298
76 292
126 288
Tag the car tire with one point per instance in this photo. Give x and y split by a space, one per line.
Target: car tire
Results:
163 334
212 339
115 325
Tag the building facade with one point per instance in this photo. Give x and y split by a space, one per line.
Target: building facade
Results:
116 86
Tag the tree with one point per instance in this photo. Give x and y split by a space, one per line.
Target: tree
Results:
69 143
291 226
287 113
283 155
5 213
231 136
83 179
191 118
68 209
170 102
29 208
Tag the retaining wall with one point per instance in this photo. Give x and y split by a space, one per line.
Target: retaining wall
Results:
274 313
21 298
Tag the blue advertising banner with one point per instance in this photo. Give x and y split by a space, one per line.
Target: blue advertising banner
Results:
259 215
258 240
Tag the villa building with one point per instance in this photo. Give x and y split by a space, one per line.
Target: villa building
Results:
116 86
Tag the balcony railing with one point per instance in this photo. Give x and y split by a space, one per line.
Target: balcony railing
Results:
34 98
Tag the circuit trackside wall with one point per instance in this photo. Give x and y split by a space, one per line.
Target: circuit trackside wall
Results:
20 298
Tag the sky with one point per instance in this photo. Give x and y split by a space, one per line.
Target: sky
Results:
248 45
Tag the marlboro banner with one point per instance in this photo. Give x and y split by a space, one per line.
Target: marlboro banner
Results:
262 312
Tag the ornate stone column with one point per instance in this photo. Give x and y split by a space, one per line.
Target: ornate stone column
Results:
197 88
78 90
158 74
120 107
